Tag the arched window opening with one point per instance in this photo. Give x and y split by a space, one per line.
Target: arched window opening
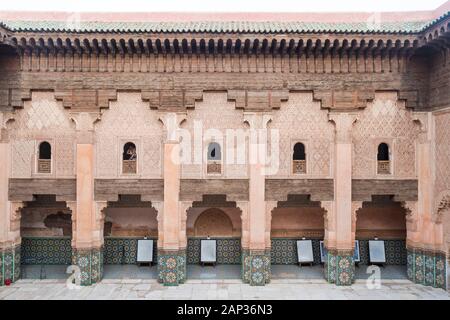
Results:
214 157
129 158
45 158
214 152
384 164
299 159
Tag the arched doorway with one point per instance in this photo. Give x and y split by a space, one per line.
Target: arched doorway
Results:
220 220
382 219
46 232
298 218
126 221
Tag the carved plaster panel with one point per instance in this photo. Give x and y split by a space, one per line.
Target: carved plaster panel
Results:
214 119
42 119
385 118
300 119
129 119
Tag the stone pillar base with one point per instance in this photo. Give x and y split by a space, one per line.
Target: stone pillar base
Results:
427 268
256 267
9 264
171 267
90 262
339 267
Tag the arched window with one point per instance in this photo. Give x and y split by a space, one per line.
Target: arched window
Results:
45 151
45 158
299 158
129 158
299 151
384 164
383 152
214 152
214 156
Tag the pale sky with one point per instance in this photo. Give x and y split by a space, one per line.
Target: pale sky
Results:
220 5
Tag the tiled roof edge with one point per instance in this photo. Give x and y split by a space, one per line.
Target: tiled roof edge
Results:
204 29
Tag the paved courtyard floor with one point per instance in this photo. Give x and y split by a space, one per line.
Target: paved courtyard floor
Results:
197 272
303 289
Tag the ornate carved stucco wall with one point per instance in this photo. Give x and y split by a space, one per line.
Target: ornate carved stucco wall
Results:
213 112
385 119
42 119
300 119
442 171
128 119
131 222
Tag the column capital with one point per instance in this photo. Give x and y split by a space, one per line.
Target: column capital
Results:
343 125
172 122
424 120
257 120
4 118
84 125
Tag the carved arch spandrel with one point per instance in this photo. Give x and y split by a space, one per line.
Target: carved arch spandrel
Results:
72 205
15 214
412 215
184 207
442 206
356 205
245 239
159 207
328 222
270 207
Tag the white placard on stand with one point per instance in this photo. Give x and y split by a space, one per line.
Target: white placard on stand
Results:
305 251
377 253
144 251
356 255
208 251
323 252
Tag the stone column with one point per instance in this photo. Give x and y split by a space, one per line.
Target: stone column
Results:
9 215
426 253
256 259
171 254
340 264
87 250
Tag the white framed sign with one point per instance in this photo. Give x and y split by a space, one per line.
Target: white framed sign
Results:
208 251
305 251
377 253
356 255
323 252
144 251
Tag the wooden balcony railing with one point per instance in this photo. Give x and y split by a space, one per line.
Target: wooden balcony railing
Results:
214 167
44 166
384 167
129 166
299 166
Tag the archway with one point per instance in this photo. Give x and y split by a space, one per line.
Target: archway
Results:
46 232
213 222
298 218
216 219
382 219
127 221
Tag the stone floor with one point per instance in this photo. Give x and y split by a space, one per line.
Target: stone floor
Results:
198 272
134 289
